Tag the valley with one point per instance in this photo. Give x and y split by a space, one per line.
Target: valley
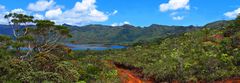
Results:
180 42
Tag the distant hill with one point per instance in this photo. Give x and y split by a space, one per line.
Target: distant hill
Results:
218 24
122 34
209 55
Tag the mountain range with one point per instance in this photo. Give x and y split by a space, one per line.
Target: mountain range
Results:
123 34
103 34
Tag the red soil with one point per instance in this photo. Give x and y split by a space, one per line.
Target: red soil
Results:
229 81
127 76
218 36
222 81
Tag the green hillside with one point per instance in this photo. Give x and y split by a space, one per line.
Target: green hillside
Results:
209 54
123 34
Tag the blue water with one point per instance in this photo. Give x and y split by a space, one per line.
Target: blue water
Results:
90 47
94 46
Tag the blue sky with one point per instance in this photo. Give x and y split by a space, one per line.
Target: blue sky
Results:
119 12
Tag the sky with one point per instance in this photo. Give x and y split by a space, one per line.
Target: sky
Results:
119 12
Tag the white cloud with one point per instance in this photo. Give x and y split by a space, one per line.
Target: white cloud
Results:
2 19
114 24
126 22
3 13
114 12
174 5
178 17
38 16
120 24
232 14
41 5
55 13
19 10
82 13
84 5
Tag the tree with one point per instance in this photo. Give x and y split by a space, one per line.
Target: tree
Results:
19 22
47 35
42 36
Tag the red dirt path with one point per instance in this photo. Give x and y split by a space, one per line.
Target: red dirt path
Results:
127 76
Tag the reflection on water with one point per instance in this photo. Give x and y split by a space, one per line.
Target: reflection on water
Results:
94 46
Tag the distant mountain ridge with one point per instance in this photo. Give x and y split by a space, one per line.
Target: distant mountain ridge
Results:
103 34
124 34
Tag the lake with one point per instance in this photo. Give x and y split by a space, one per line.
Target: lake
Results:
94 46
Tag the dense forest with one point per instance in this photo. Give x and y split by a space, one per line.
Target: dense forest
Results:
37 54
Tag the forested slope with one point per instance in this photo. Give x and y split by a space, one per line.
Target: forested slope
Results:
209 54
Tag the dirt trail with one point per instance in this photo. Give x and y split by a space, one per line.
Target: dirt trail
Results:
129 77
126 75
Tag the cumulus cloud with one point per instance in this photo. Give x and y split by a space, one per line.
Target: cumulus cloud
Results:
178 17
174 5
232 14
41 5
120 24
55 13
84 5
83 12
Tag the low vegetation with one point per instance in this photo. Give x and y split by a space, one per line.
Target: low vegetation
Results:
208 54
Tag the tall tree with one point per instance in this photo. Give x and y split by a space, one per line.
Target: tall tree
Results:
47 35
19 22
42 36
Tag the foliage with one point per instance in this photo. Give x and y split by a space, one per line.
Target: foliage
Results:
45 60
198 55
126 34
